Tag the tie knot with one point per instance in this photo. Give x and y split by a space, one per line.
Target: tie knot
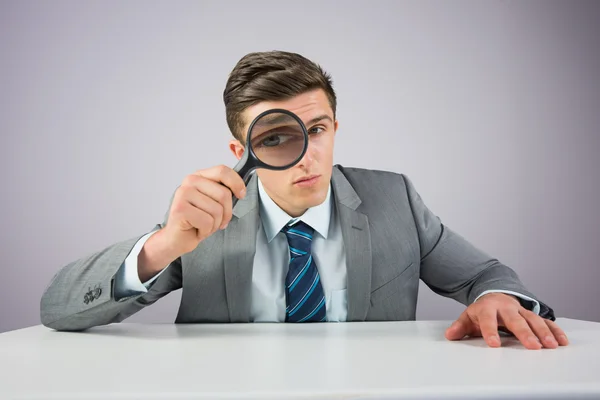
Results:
299 238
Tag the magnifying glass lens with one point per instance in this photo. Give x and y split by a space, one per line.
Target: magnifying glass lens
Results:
277 139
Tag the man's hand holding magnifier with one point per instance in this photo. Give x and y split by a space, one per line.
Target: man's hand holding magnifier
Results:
203 203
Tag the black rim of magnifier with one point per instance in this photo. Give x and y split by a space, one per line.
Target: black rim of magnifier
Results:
254 162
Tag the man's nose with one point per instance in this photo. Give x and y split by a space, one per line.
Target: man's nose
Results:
308 157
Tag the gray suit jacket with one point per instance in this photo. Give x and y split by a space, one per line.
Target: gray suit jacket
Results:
391 241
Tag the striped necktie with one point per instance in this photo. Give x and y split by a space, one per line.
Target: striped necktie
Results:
305 300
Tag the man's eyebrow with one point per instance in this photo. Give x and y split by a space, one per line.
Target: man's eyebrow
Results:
280 118
319 118
274 119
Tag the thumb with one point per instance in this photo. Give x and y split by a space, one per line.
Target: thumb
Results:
460 328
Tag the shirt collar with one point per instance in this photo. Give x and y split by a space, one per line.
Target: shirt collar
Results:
274 218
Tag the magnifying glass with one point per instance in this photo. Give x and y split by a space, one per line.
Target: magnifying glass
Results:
277 139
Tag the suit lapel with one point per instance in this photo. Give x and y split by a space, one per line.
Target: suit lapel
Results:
357 244
239 249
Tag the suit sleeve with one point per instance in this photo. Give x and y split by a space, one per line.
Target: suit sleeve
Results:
82 293
454 268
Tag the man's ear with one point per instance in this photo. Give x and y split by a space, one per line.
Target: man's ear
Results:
335 126
236 148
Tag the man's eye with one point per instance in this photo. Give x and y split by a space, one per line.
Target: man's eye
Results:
271 141
274 140
316 130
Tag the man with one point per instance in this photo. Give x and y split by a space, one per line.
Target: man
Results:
313 243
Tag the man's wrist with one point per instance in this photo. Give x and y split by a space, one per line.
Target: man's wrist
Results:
156 255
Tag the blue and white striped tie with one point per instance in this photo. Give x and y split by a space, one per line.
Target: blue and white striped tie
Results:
304 295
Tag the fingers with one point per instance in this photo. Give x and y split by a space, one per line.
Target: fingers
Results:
519 327
227 177
220 194
460 328
191 206
194 184
209 206
540 328
202 205
533 331
198 219
487 318
558 333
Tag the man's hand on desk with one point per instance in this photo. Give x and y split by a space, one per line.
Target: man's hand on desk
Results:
498 310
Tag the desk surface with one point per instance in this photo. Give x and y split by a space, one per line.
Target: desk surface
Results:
380 360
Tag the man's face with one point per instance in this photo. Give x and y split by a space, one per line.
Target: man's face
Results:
304 185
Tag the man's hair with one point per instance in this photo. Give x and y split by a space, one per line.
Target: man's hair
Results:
271 76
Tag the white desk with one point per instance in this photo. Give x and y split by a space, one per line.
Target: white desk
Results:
375 360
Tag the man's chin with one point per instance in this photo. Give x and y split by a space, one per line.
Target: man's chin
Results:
312 198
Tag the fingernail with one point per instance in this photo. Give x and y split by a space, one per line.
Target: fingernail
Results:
242 192
494 339
550 339
534 339
563 338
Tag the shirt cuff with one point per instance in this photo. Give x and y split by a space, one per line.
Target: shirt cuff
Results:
127 280
536 304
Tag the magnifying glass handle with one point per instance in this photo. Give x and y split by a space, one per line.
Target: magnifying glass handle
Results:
247 178
245 169
243 166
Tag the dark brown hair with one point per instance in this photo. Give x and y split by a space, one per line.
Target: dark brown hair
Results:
271 76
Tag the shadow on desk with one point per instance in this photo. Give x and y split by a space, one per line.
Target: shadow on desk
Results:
360 330
427 331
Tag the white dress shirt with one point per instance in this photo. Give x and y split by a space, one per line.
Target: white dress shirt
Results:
271 262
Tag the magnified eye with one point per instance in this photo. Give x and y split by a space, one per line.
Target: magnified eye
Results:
274 140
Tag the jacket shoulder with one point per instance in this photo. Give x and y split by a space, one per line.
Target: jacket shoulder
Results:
366 176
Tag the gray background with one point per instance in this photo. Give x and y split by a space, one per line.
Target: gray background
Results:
491 107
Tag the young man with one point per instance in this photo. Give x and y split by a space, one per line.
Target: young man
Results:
313 243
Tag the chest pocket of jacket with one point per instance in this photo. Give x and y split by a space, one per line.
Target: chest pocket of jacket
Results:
394 285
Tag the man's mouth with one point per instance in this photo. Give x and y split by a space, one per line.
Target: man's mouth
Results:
306 180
